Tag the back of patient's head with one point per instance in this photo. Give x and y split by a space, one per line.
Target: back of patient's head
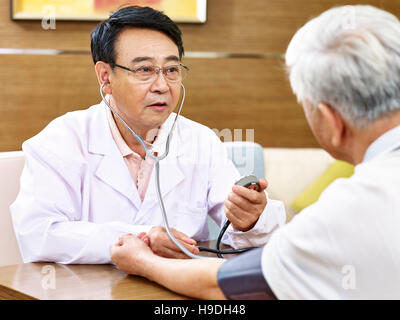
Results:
349 58
105 35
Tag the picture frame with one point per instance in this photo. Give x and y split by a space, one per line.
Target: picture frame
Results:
180 11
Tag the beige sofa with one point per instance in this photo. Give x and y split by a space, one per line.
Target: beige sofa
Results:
11 164
288 171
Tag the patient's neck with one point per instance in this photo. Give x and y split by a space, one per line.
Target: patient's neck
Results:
363 138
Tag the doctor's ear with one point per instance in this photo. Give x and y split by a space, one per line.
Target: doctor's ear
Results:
103 72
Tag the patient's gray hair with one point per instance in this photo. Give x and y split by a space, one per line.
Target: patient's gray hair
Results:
349 58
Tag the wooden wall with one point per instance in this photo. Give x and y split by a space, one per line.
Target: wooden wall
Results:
238 93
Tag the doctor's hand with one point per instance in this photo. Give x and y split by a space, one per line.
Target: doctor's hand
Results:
130 252
162 245
243 206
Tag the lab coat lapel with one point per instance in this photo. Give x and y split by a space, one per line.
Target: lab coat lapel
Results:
113 171
112 168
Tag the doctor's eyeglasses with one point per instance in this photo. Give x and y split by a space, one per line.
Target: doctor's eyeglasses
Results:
173 73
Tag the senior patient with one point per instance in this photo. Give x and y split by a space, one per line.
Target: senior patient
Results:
344 67
87 180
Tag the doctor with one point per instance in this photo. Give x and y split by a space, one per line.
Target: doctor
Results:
344 68
87 181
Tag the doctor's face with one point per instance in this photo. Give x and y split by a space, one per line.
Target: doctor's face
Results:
144 105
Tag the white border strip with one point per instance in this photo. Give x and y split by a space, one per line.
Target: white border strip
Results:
29 51
223 55
189 54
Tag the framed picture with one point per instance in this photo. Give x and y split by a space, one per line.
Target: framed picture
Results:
192 11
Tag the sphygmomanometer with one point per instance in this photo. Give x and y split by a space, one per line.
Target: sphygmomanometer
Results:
241 278
250 182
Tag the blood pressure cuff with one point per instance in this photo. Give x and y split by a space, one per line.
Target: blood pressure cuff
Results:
241 278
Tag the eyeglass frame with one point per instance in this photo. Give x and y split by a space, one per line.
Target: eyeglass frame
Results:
157 68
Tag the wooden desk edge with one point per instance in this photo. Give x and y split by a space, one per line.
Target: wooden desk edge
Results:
7 293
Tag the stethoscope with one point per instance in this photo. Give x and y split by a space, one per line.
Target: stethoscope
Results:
157 160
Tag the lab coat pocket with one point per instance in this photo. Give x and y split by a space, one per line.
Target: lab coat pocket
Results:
192 221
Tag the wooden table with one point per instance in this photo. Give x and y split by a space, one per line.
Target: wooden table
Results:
100 282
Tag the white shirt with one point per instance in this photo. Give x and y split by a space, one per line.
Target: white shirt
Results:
347 244
77 195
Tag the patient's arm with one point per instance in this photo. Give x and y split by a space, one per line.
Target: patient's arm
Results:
238 278
194 278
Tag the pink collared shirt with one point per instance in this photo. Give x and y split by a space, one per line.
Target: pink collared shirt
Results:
140 169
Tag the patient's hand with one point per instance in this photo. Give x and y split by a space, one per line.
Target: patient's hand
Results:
130 252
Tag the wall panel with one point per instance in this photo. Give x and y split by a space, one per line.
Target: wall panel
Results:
256 26
246 94
233 93
221 93
40 88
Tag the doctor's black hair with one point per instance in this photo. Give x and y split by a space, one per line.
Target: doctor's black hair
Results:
104 36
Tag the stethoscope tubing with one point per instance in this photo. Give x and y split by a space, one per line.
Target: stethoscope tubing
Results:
157 160
138 137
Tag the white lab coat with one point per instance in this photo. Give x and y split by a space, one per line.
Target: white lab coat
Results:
77 196
347 244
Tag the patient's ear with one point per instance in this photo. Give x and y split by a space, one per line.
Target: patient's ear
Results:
103 73
336 124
